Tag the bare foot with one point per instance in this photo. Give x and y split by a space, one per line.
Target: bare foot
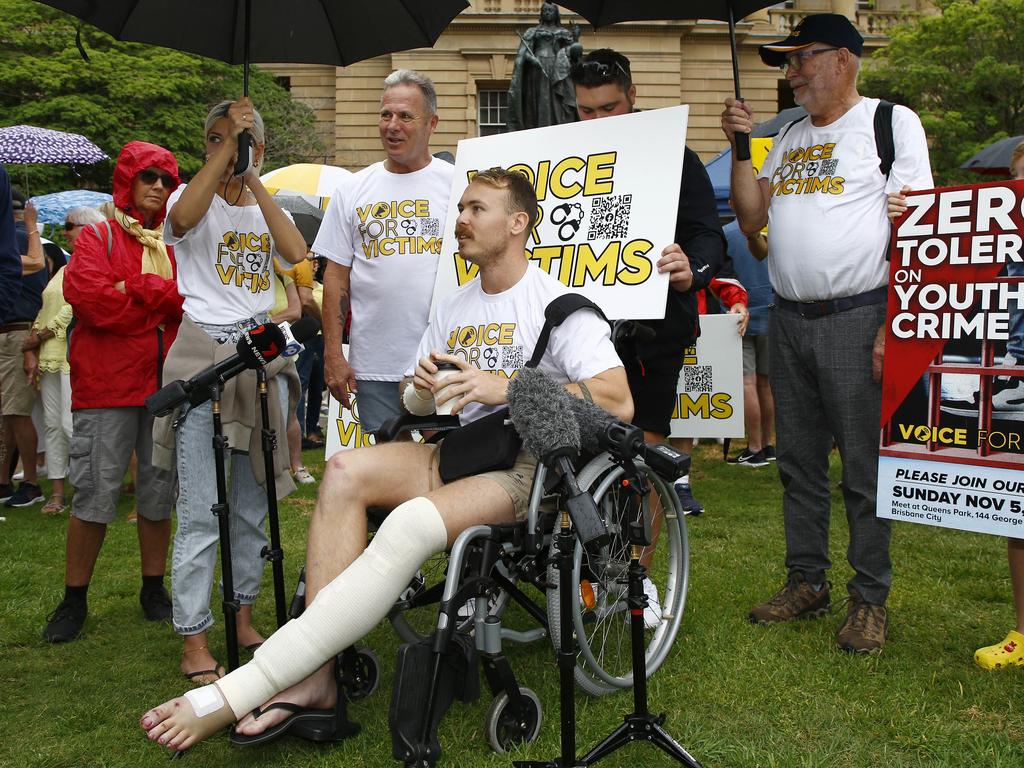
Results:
317 691
175 725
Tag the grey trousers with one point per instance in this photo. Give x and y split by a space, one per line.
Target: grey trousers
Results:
823 388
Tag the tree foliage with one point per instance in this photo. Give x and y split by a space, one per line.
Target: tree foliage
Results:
127 91
962 72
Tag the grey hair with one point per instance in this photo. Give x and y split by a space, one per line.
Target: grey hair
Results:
411 77
259 135
83 216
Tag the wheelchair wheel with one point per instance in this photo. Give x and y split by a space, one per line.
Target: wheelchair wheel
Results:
361 676
600 615
504 730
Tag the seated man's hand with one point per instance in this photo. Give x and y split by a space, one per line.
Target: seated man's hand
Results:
468 385
677 265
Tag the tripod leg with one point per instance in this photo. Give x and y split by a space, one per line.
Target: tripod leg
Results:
274 553
230 605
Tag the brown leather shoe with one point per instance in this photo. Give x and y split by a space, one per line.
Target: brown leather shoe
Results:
866 626
796 600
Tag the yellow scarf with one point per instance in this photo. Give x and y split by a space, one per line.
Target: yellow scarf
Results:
155 260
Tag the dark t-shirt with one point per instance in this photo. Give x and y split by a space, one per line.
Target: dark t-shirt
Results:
29 299
10 256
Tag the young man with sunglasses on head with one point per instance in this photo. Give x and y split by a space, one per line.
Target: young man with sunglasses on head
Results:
823 193
604 88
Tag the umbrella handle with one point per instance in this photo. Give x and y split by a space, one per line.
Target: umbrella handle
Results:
244 161
742 146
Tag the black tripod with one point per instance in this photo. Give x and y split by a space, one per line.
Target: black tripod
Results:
639 724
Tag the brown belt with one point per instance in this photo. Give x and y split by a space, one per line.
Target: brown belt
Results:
7 327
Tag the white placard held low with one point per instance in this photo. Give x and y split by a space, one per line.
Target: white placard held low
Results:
608 192
709 396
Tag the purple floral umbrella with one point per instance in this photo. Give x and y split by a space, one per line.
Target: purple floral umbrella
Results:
24 144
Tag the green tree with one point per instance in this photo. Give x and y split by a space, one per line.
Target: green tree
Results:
963 72
127 91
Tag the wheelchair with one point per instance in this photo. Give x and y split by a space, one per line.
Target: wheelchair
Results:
450 616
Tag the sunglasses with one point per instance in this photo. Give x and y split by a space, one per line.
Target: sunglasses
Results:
599 68
149 177
68 226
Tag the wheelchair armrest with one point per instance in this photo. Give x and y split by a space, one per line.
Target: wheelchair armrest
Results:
406 422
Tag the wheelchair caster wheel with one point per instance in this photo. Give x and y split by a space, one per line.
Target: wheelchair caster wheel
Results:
361 676
507 729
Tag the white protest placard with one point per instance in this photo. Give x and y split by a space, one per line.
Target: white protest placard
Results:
344 432
709 396
608 192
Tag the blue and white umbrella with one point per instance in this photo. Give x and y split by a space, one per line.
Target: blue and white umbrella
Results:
24 144
53 208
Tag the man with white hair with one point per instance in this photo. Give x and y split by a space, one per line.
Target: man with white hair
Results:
382 236
823 192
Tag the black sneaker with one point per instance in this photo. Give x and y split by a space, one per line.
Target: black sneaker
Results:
65 623
156 604
769 452
26 495
6 491
689 504
749 459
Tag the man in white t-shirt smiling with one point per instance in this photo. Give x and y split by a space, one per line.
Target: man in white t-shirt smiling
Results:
822 192
382 236
350 586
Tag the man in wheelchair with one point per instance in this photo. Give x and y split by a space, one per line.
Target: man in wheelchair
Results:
487 329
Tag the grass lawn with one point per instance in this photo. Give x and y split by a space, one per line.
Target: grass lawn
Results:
736 695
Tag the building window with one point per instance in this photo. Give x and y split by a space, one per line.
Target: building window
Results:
492 112
284 82
784 93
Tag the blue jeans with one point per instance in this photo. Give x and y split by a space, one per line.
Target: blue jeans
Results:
310 366
1015 341
376 402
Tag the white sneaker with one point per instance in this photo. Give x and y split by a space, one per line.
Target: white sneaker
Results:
652 613
303 477
40 472
1008 402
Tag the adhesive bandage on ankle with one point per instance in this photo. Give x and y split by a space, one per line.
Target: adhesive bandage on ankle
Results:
416 402
205 701
344 610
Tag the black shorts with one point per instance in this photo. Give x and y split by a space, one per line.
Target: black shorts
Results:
653 382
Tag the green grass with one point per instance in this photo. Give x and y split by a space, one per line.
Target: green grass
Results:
736 695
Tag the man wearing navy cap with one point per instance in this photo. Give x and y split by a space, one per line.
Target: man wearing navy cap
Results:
824 196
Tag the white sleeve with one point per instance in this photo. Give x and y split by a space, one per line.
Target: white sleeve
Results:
334 238
911 167
581 346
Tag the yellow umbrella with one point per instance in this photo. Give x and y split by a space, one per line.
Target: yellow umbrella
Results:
312 180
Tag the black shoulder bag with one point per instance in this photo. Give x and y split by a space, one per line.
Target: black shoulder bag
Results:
491 442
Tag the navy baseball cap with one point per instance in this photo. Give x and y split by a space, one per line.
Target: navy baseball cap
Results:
829 28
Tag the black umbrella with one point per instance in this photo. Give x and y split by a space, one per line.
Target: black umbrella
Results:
338 32
771 127
995 158
307 217
601 13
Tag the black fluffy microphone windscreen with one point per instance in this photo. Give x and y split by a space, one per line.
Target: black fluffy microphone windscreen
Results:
305 327
541 414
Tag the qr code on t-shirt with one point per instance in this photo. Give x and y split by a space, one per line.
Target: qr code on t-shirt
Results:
512 357
697 378
430 227
609 217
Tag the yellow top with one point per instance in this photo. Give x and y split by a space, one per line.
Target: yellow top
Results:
280 290
54 315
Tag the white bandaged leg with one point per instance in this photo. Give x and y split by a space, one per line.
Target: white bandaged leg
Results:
344 610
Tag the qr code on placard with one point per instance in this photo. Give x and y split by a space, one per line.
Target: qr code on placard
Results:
609 217
430 227
512 357
697 378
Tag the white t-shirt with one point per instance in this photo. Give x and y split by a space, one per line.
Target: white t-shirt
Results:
498 333
387 227
225 273
827 224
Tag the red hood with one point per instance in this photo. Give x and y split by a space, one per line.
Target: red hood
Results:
138 156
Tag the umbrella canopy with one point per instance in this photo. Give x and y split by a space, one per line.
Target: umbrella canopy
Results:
52 208
24 144
310 179
995 158
781 120
338 32
307 216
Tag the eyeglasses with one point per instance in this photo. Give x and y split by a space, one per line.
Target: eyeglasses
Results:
405 117
68 226
600 69
149 177
797 60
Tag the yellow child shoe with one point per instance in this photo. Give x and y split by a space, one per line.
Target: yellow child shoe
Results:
1010 652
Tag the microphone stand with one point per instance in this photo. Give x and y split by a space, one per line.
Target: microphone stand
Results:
230 605
274 554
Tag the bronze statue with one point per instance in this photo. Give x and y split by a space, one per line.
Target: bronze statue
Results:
541 92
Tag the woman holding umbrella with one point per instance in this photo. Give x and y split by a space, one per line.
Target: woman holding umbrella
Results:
226 231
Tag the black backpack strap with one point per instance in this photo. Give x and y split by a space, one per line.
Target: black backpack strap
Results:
554 315
883 137
786 127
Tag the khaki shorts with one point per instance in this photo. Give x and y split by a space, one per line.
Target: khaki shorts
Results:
755 355
517 481
16 394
